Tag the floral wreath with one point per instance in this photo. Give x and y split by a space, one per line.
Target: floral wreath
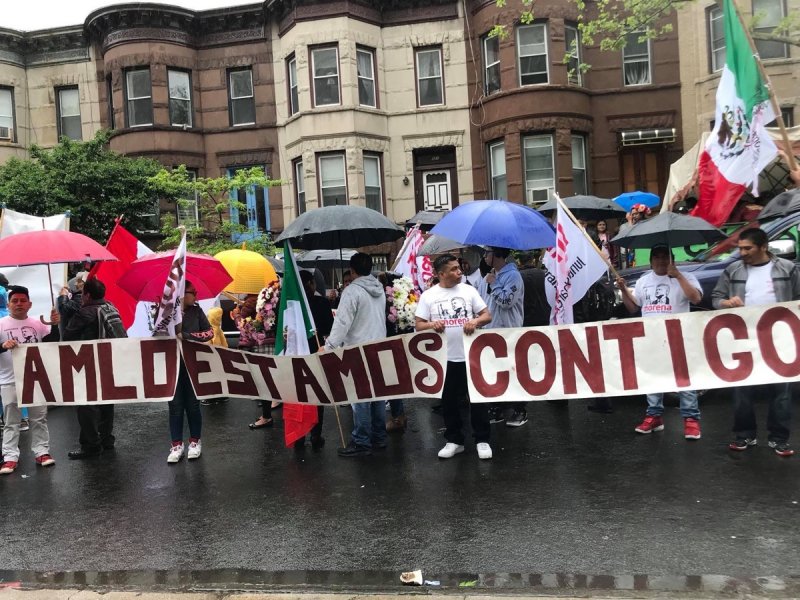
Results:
402 298
260 328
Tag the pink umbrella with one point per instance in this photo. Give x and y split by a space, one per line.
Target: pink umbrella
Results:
50 247
145 278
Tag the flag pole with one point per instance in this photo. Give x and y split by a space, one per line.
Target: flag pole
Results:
789 154
586 235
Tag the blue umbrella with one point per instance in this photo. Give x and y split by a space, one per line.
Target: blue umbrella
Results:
628 199
497 223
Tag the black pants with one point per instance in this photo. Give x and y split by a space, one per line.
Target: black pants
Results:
97 426
455 388
779 417
316 431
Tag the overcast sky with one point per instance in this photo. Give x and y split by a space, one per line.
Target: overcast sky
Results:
28 15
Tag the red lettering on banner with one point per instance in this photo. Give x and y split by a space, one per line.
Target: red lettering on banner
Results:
572 358
149 348
432 342
337 369
230 359
766 341
624 333
196 367
108 387
677 351
304 377
70 361
34 373
497 344
265 365
744 360
402 369
523 346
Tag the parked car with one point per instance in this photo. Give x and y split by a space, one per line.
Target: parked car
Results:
709 265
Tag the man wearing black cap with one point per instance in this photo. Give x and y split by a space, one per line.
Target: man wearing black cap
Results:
664 290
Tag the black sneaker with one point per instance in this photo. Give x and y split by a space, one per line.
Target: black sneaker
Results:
781 448
518 419
354 449
740 444
496 416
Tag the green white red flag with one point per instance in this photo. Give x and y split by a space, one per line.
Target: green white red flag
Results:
739 147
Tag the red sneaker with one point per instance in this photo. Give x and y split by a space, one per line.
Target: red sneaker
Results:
691 429
650 424
8 467
45 460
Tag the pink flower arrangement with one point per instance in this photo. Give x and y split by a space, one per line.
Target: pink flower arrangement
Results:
259 329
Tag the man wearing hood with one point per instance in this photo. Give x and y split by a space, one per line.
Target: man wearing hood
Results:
360 318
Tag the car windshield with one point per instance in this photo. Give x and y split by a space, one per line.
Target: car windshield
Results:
726 248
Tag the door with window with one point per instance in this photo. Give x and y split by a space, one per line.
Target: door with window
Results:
435 183
642 170
436 190
254 215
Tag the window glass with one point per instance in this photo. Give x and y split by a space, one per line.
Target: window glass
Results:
497 164
140 105
491 61
532 51
429 77
326 76
372 183
69 118
539 172
636 59
366 78
579 180
180 98
243 107
332 180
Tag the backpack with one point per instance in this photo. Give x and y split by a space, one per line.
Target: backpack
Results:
110 323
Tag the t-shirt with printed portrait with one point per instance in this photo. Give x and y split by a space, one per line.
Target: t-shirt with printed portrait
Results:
662 294
455 306
24 331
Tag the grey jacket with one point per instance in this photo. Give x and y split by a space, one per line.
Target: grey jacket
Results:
361 315
785 279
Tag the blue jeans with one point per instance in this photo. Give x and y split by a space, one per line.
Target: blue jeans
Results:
369 423
184 401
689 407
779 417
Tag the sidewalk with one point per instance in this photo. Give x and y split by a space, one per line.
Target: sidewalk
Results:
13 594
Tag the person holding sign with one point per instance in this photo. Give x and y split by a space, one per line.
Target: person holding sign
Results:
665 291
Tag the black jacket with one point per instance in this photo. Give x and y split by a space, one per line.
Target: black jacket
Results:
84 324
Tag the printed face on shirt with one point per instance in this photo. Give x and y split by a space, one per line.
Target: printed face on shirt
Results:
19 305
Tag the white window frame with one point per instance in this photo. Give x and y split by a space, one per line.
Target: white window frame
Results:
130 98
637 58
314 75
543 27
7 120
187 201
487 66
584 171
494 173
377 159
417 53
372 80
188 100
294 95
530 190
327 157
715 16
299 187
232 99
61 115
574 54
761 44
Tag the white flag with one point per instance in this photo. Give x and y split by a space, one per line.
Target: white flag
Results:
410 264
169 314
573 266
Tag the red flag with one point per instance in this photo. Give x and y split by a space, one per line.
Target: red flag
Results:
298 420
124 245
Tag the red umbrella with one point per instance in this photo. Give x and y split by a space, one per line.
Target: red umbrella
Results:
146 277
50 247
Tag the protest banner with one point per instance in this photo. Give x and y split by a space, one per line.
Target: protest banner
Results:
145 370
703 350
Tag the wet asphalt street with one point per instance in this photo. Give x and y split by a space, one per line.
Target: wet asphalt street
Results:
570 492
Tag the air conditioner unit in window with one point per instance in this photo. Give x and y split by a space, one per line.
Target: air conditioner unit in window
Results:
6 133
538 196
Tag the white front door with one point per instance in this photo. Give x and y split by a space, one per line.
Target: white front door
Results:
436 186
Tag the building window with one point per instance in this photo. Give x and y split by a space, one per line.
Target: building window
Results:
580 183
151 220
325 67
532 52
6 114
188 207
539 171
572 40
110 102
332 179
180 97
636 59
787 112
252 212
241 97
497 170
68 108
491 62
716 39
299 186
767 14
365 60
139 95
373 190
294 99
430 85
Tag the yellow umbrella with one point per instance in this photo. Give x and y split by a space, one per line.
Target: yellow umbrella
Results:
251 272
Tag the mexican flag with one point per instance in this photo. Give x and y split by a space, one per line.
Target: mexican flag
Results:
295 326
739 147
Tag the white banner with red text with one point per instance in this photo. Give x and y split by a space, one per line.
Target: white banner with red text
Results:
694 351
146 370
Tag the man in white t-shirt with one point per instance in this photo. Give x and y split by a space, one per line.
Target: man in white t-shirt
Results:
15 329
759 278
664 290
455 309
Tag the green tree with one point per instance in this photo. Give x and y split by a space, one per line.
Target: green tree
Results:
88 179
214 231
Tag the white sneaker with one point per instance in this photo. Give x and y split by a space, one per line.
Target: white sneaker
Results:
450 450
195 448
484 451
175 454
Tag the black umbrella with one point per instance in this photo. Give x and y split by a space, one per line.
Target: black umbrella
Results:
781 205
324 258
339 227
426 219
437 244
587 207
671 229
